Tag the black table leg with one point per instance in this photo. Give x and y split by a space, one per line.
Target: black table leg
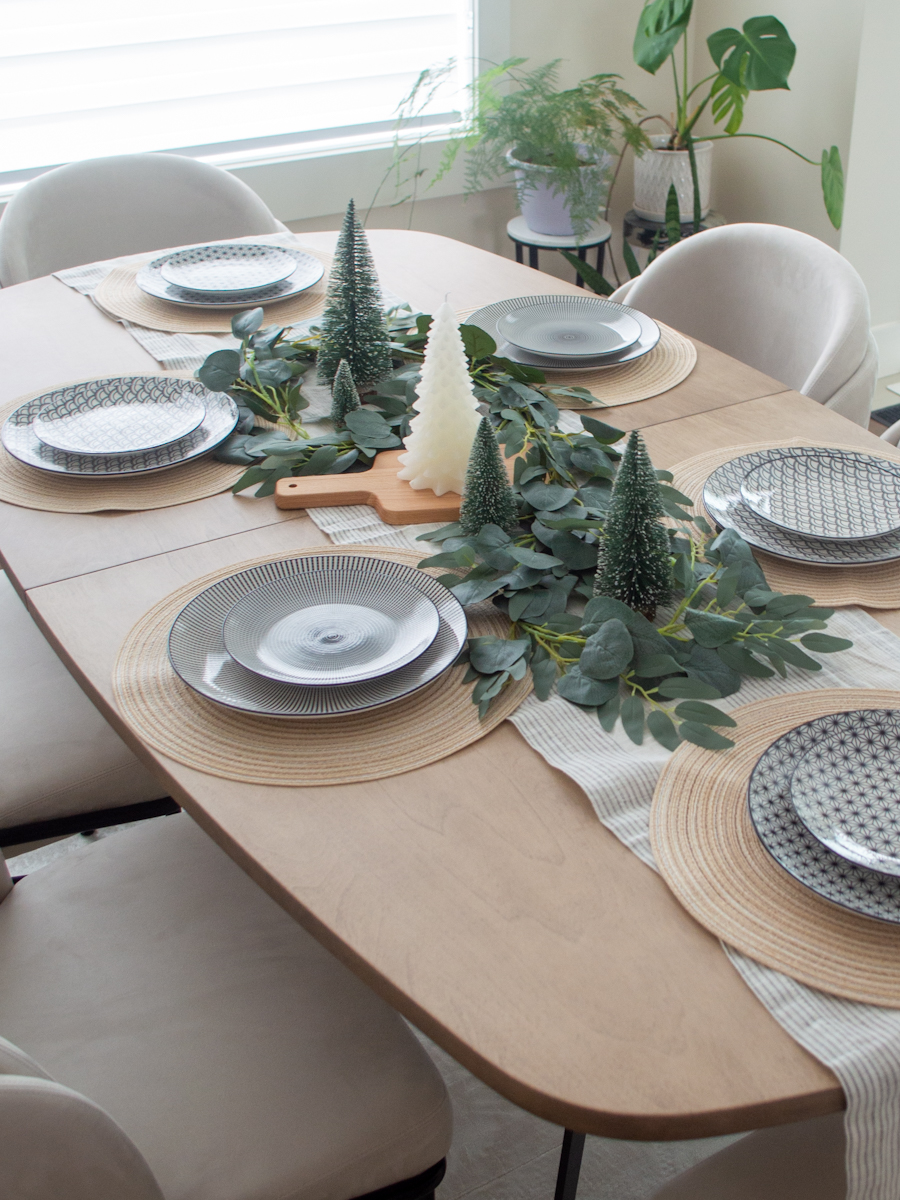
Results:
569 1165
533 257
601 255
518 246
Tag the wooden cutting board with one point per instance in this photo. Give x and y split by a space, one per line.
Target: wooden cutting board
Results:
392 498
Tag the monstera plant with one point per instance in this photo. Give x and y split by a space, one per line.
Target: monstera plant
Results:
756 58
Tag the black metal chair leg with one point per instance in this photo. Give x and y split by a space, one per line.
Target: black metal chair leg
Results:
569 1165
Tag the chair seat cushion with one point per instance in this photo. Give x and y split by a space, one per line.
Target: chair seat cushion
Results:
149 973
58 756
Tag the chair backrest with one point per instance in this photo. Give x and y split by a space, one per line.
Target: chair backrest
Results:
104 207
773 297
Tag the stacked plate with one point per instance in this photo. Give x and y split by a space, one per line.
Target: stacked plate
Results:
831 508
825 802
229 275
567 333
317 636
120 426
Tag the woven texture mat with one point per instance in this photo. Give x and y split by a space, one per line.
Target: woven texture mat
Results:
874 586
29 487
711 858
121 297
419 729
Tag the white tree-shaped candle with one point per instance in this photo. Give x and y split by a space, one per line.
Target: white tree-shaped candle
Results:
438 447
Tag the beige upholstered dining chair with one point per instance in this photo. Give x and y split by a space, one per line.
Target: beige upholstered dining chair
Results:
774 298
104 207
172 1034
804 1161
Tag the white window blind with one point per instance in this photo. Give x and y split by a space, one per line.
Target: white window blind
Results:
85 78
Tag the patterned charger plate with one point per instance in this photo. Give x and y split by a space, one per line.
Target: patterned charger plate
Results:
867 892
847 789
231 267
104 423
488 319
330 627
198 655
571 325
19 437
837 494
308 271
723 500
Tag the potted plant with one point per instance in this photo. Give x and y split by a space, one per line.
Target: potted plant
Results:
560 145
757 58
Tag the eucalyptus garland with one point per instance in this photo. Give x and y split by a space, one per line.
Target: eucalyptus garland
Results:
722 622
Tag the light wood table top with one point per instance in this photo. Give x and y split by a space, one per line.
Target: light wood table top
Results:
480 895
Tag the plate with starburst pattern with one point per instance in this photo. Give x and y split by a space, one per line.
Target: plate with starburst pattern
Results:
832 876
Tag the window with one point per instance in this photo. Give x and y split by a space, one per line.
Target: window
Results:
228 81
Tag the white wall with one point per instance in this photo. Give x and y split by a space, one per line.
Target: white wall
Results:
873 185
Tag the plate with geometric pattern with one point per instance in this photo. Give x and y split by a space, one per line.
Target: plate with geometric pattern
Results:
86 422
831 876
836 494
308 271
199 657
723 500
19 438
230 267
847 788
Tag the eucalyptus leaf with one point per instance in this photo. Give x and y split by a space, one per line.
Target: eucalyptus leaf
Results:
705 665
702 735
488 654
824 643
688 689
581 689
739 658
608 713
706 714
651 666
632 714
478 344
606 434
220 370
546 496
245 324
663 730
543 675
531 558
711 629
607 652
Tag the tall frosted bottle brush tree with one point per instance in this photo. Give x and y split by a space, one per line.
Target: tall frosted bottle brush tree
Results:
635 565
353 324
487 497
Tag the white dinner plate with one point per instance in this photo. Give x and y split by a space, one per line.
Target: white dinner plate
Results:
571 325
228 267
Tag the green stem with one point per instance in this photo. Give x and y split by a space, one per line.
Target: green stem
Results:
699 85
717 137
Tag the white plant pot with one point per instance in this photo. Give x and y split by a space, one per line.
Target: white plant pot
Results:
656 170
545 209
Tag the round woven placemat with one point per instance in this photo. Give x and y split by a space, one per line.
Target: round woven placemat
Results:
711 858
28 487
121 297
419 729
875 586
669 362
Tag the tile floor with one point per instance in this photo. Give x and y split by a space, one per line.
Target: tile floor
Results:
501 1152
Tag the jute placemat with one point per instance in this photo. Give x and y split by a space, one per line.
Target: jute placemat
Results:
875 586
422 728
121 297
707 850
28 487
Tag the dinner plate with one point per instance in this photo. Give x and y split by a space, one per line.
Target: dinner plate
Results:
864 891
834 494
308 271
488 319
333 626
227 267
570 325
198 655
19 438
846 789
723 500
101 422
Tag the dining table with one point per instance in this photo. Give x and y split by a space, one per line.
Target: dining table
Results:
479 895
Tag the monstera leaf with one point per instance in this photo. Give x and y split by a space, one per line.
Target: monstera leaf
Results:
759 58
660 26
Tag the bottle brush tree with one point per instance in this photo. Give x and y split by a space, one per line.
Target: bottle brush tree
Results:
634 564
353 324
344 396
488 498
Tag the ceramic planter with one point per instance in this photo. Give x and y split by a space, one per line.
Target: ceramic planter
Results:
656 170
545 209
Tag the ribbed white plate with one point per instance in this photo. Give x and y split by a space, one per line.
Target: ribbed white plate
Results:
571 325
332 626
